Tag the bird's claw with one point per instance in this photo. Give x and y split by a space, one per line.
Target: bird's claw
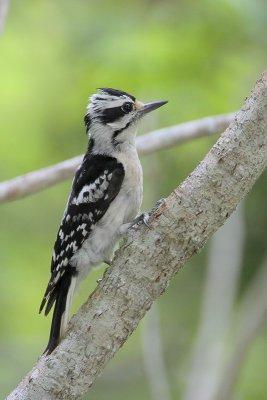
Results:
160 202
146 219
142 218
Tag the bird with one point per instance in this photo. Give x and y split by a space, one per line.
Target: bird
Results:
104 200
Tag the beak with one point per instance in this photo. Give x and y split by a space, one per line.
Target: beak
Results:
148 107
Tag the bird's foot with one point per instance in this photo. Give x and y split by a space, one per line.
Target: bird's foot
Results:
160 202
108 262
142 218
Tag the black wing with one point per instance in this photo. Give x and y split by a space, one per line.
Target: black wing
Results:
96 184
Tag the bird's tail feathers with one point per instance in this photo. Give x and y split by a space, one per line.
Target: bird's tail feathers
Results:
65 315
61 311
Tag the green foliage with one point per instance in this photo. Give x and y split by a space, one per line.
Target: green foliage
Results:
204 57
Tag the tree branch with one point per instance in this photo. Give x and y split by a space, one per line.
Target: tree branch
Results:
160 139
252 315
3 13
225 255
148 259
154 365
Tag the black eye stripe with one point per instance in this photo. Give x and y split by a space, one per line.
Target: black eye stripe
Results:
111 114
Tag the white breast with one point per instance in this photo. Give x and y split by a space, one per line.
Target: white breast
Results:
132 187
123 209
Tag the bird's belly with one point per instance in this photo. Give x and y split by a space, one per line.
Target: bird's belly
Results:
133 201
105 234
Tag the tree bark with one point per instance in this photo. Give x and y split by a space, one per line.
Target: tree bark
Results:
149 258
35 181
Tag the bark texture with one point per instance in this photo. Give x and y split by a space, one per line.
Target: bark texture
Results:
35 181
149 258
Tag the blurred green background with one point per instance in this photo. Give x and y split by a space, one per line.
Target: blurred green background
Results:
204 57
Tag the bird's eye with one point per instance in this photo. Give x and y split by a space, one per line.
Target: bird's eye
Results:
127 107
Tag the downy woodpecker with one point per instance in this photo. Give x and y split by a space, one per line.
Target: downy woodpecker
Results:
105 199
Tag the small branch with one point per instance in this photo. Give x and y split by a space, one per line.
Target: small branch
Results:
252 315
149 258
33 182
3 13
225 256
153 357
155 373
178 134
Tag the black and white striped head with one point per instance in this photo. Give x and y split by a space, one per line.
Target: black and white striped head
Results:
112 116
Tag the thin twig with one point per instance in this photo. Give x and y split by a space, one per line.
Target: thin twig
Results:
252 315
33 182
3 13
221 284
154 365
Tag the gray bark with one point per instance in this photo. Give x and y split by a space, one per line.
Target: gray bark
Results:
35 181
149 258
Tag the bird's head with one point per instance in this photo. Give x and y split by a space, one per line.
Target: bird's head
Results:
112 116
